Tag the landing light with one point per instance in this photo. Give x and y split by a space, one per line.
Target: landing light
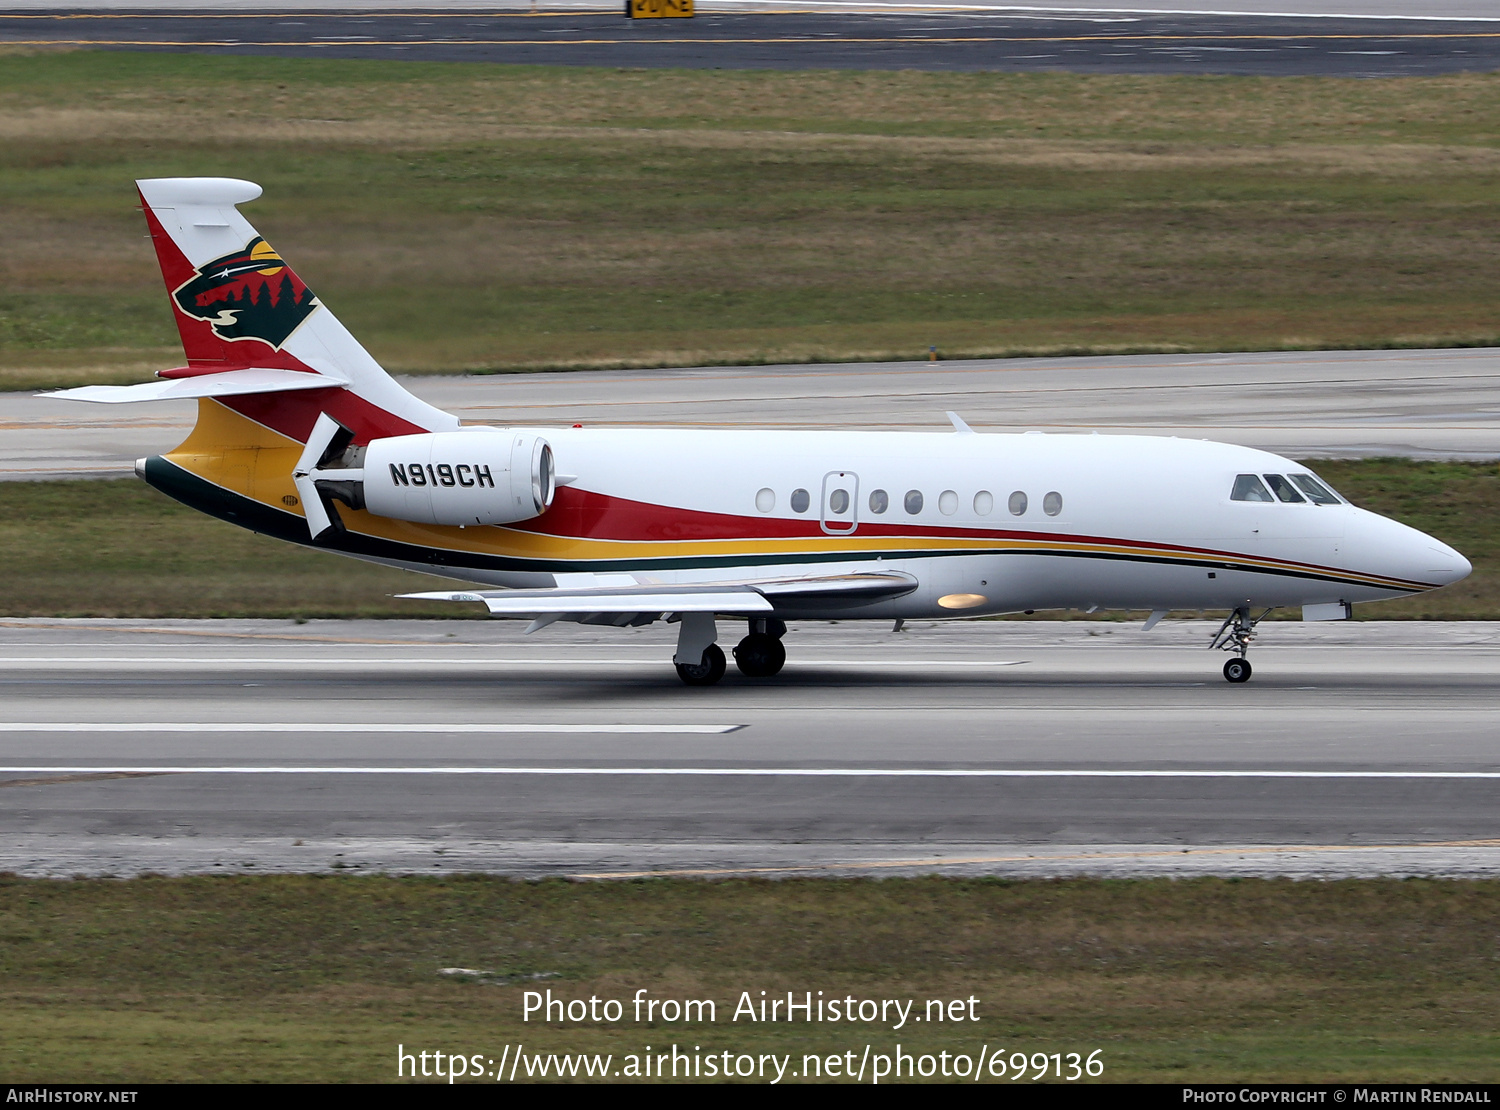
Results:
962 601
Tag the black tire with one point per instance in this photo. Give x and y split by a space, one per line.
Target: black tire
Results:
759 655
705 673
1237 670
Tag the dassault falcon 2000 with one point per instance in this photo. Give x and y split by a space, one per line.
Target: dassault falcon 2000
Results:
302 435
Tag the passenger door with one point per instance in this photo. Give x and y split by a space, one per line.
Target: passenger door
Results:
839 515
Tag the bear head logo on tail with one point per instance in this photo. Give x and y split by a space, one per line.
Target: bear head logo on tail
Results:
250 294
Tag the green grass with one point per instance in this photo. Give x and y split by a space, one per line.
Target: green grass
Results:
120 549
464 217
309 978
1455 501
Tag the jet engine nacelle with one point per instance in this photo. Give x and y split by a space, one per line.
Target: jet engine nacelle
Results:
474 476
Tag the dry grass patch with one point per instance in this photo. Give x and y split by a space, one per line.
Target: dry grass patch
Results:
463 217
1255 111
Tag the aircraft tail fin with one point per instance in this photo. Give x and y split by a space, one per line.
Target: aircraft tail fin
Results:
238 306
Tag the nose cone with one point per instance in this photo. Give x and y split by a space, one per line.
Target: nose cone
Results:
1448 565
1386 547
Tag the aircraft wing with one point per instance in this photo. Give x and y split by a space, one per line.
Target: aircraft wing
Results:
765 596
609 599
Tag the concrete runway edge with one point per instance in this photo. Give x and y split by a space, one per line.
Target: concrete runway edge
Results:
60 857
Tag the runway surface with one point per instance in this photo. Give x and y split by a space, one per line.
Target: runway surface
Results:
1421 404
1000 748
1384 9
1263 40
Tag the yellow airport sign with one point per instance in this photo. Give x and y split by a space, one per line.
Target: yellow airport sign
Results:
659 9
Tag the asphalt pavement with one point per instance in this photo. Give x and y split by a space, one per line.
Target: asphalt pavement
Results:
980 747
1331 40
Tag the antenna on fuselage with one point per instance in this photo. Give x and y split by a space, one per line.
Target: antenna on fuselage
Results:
959 426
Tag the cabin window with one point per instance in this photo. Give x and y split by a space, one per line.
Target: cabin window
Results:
765 500
984 503
913 501
838 502
947 502
880 501
1017 504
1316 491
800 500
1284 490
1249 487
1052 503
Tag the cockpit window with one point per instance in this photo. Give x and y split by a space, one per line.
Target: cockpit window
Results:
1284 489
1249 487
1316 491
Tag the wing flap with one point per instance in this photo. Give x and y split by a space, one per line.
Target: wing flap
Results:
635 599
720 597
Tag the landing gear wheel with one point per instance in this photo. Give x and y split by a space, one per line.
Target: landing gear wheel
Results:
705 673
759 655
1237 670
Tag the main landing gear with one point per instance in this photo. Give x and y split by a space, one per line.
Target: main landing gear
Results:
761 654
1235 635
705 672
700 661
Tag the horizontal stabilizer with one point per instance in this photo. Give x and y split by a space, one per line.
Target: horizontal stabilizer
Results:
230 383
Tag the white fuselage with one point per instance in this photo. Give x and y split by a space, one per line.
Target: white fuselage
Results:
1114 522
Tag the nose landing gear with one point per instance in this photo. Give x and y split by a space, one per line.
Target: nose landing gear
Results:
1235 635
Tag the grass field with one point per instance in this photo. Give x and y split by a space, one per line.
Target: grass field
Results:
120 549
308 978
490 217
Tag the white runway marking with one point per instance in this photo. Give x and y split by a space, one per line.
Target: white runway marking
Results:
355 727
1354 11
200 663
758 772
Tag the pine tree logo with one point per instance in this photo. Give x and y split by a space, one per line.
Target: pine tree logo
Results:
250 294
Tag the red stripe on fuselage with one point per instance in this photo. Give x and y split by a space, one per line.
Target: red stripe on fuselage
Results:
585 514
